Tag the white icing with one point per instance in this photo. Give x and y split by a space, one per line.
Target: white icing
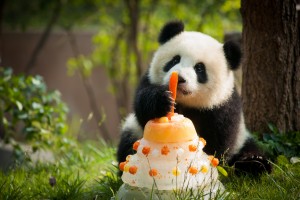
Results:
177 117
178 156
180 151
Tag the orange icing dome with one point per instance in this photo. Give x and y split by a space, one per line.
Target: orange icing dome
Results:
178 129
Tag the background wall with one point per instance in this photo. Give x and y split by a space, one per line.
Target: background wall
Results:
51 64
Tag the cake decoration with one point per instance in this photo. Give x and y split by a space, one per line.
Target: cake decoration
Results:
169 157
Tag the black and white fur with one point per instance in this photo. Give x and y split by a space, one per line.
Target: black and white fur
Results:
206 94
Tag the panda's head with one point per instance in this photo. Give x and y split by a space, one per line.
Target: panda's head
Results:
204 65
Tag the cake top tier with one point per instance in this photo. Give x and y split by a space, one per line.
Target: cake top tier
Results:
163 130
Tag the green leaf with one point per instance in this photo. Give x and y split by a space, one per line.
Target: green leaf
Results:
36 124
282 160
273 128
23 116
19 105
4 121
222 171
36 105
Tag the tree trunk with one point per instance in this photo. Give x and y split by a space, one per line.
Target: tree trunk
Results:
271 65
134 14
42 41
2 4
99 117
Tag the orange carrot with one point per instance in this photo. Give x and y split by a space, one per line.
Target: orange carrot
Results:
173 84
173 88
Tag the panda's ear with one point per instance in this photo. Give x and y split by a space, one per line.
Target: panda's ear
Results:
169 30
233 54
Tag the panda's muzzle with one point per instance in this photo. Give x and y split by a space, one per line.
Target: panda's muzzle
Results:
181 88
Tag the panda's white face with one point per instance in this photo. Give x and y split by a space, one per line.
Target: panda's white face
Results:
205 80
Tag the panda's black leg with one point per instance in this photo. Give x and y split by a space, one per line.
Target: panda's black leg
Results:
250 160
125 145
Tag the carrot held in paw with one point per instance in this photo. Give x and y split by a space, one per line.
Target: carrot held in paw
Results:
173 84
173 88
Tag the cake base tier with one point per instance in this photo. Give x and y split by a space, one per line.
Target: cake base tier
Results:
127 192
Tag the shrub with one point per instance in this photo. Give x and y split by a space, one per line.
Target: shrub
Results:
29 112
278 143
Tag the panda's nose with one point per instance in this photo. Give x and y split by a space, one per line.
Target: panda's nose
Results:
181 80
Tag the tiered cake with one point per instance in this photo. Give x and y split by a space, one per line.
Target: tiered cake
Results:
170 157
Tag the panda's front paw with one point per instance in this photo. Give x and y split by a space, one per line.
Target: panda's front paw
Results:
152 102
252 164
163 104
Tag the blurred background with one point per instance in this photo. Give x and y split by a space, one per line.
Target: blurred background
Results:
93 52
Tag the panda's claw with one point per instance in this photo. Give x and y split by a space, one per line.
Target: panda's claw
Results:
253 164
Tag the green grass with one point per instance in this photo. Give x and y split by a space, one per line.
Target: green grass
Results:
79 171
282 183
88 171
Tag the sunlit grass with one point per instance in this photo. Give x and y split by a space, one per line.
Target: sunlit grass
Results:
74 175
88 171
282 183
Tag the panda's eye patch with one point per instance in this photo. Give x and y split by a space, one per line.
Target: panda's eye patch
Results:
174 61
201 72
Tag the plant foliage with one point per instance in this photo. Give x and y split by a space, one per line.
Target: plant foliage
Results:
278 143
29 112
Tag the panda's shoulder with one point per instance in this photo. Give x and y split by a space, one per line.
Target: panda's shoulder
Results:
144 81
131 124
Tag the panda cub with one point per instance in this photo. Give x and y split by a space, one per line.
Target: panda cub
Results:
206 94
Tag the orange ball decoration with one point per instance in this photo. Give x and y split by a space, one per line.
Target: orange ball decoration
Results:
192 148
136 145
146 150
215 162
203 141
133 169
204 169
121 166
165 150
193 170
153 172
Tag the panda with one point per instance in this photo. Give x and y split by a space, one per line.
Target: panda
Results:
205 94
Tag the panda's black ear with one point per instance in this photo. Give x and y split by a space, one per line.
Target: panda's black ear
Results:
233 54
169 30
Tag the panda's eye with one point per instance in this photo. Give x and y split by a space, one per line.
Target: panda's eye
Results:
201 72
199 67
174 61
